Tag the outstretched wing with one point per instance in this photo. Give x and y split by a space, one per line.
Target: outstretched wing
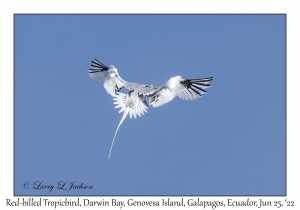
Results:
113 83
185 89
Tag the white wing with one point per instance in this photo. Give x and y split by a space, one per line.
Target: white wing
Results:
185 89
129 103
108 75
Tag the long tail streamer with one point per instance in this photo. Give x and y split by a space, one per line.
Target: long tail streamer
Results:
121 121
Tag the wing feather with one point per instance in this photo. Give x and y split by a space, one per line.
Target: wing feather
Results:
113 83
185 89
99 71
195 87
162 96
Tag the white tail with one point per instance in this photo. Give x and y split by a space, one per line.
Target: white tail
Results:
122 119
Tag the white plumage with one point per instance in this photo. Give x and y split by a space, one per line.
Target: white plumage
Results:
185 89
128 103
134 102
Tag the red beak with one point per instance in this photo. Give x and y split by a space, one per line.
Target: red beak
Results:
145 102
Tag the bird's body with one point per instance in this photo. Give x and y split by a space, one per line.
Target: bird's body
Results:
133 103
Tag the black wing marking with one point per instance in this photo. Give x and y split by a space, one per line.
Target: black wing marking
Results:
154 97
98 66
98 71
196 86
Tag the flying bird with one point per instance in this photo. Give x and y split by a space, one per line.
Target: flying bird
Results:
134 102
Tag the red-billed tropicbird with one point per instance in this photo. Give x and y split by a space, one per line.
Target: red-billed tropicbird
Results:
132 102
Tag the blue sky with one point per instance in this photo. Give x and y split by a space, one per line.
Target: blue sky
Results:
230 142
